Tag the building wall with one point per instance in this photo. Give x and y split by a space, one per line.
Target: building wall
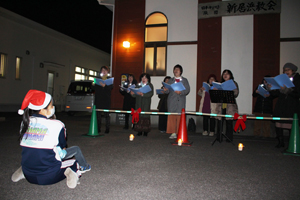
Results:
59 54
290 29
248 45
182 38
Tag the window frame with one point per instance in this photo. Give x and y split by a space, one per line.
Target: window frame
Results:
156 44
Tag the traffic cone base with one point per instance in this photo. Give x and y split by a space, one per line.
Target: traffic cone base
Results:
93 131
183 144
182 131
294 142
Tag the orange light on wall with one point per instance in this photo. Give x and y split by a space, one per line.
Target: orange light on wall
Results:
126 44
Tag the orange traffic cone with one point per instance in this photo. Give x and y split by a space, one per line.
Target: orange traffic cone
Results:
182 131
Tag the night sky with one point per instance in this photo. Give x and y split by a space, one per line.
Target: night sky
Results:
84 20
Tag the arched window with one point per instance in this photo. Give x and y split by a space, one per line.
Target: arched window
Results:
156 35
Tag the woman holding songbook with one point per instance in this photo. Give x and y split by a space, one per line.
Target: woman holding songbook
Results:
206 107
143 101
176 100
287 103
163 107
227 108
263 107
129 101
102 98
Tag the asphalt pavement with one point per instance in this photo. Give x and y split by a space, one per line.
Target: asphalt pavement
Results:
152 168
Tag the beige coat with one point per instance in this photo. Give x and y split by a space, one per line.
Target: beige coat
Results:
231 108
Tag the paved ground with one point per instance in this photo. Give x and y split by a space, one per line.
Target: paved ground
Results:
151 168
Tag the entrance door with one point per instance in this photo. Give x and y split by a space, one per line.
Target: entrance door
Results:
50 83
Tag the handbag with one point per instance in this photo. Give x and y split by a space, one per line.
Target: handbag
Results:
143 125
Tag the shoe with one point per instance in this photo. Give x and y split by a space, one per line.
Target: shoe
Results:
211 133
145 134
162 131
106 131
17 175
139 134
205 133
72 178
85 169
173 136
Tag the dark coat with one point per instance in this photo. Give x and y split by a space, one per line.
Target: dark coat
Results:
129 101
263 105
288 101
102 96
144 102
163 104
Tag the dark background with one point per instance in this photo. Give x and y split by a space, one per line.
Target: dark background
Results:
84 20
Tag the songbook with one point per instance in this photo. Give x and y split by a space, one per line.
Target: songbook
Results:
107 82
160 91
128 88
227 85
174 87
279 81
206 86
144 89
262 91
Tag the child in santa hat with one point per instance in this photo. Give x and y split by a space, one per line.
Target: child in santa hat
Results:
43 143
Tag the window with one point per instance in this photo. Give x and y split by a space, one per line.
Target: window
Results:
92 74
82 73
18 67
156 33
3 59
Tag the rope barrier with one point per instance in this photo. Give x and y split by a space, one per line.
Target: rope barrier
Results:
194 113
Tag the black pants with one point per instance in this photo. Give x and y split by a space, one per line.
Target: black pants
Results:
212 123
162 122
107 119
127 120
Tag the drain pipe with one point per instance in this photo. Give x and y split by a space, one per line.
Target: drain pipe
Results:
112 5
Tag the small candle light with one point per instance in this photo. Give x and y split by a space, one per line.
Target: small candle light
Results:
179 142
240 147
131 137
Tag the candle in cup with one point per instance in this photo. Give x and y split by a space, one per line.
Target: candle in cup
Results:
131 137
240 147
179 142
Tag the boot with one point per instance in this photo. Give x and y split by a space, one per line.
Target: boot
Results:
279 134
280 142
146 134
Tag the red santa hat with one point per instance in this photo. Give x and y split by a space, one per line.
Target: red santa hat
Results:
35 100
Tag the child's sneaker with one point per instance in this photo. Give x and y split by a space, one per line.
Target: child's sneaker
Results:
205 133
85 169
17 175
72 178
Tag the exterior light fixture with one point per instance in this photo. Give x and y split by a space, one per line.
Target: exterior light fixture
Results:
126 44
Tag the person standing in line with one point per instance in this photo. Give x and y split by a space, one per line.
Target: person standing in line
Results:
129 101
176 100
263 107
163 107
206 106
287 103
143 101
103 98
228 109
